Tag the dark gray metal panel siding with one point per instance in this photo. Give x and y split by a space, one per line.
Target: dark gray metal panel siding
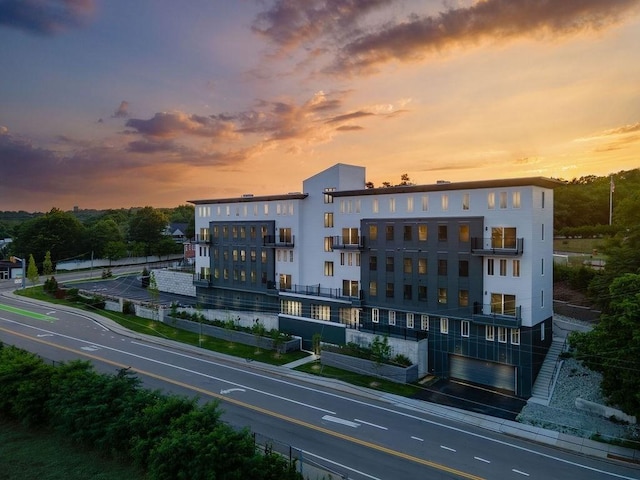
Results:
307 329
483 372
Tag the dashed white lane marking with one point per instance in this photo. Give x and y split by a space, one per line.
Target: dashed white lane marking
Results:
370 424
480 459
44 335
521 473
229 390
448 448
91 348
418 439
341 421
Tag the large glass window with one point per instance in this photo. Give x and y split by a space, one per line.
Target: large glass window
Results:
422 266
350 288
503 304
373 233
321 312
442 295
407 265
463 233
350 236
328 269
373 288
422 232
328 244
503 237
328 219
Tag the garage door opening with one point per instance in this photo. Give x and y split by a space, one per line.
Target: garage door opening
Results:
483 372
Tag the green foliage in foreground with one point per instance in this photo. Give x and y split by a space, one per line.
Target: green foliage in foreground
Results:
47 456
167 437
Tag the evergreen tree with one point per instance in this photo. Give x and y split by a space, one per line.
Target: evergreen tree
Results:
32 271
47 265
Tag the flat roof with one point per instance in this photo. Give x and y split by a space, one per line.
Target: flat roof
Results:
251 198
446 186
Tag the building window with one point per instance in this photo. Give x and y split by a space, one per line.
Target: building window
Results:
243 255
373 263
489 332
252 254
422 266
243 232
503 267
350 236
373 288
542 266
464 328
408 265
463 233
444 325
328 269
502 335
408 233
390 290
373 233
291 307
253 276
341 258
389 264
266 209
392 317
279 255
542 201
422 293
515 199
444 202
541 298
442 295
225 231
375 315
491 200
328 198
442 267
389 233
285 282
542 232
465 201
328 220
515 336
409 320
392 205
263 257
503 237
463 298
424 322
375 206
503 304
350 288
503 199
422 232
515 265
285 235
409 204
425 203
328 244
408 292
463 268
542 330
442 233
490 266
321 312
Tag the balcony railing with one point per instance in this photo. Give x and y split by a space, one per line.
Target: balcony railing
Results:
203 238
393 330
487 314
340 242
318 291
201 279
493 246
281 241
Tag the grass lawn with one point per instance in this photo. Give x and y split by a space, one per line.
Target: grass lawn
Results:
375 383
577 245
164 330
45 456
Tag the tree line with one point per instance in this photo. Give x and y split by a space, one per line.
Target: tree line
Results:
111 234
165 436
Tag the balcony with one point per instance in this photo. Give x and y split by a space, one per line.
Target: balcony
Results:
279 241
506 318
203 238
318 291
510 247
348 243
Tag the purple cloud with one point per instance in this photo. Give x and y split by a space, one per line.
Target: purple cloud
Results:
45 17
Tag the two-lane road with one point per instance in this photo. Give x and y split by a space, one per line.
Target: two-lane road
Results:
359 434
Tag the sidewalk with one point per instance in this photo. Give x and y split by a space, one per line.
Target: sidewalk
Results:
494 424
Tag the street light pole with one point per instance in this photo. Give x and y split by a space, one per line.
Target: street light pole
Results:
24 268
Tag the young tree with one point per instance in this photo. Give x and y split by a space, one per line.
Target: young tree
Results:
47 265
154 293
32 271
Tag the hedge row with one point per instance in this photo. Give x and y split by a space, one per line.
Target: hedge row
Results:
167 437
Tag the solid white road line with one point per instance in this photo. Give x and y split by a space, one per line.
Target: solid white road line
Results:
340 465
370 424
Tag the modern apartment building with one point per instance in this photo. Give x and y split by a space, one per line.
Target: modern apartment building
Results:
466 267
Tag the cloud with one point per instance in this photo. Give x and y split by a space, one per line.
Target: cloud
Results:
486 20
168 125
291 23
45 17
122 111
348 116
623 130
349 128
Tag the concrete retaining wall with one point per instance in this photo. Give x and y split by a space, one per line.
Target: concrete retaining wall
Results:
367 367
603 411
575 311
105 263
180 283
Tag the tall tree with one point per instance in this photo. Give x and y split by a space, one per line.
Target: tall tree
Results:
146 227
32 271
47 264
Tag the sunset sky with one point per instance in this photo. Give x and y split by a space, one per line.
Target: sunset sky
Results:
120 103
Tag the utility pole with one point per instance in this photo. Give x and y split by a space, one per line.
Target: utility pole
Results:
612 187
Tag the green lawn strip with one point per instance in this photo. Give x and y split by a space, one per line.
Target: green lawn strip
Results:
46 456
164 330
375 383
577 245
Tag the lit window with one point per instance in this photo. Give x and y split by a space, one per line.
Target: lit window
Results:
409 204
425 203
502 335
503 199
515 336
328 219
503 267
392 205
408 265
491 201
516 268
465 201
328 244
375 206
442 295
463 298
489 332
424 322
422 233
444 200
373 288
515 199
392 317
373 233
422 266
463 233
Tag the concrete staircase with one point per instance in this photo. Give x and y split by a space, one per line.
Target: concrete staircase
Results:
543 386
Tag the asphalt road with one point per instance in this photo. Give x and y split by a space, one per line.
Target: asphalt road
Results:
357 432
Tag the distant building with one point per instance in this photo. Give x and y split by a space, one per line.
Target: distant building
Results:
465 265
